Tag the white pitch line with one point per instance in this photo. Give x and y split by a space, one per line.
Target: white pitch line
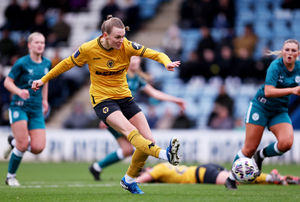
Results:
40 185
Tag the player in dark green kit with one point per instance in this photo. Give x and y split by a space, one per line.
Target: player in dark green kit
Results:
27 106
135 83
269 108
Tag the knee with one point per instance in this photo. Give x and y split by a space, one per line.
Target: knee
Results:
128 151
37 149
285 145
249 151
22 145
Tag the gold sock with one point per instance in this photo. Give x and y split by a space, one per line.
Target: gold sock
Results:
146 146
138 161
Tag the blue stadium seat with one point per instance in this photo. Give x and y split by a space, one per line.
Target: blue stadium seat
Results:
148 8
281 29
190 39
277 43
262 29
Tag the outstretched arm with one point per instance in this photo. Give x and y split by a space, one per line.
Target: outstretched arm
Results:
60 68
149 90
271 91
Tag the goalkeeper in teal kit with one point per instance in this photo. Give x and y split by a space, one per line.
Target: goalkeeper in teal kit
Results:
27 106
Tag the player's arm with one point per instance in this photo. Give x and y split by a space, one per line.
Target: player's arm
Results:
10 85
272 76
45 98
272 91
144 178
60 68
139 50
161 58
157 94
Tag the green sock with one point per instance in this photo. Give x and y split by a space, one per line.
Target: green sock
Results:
14 163
272 150
109 159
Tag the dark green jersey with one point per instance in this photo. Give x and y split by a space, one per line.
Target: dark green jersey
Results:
135 84
24 72
279 77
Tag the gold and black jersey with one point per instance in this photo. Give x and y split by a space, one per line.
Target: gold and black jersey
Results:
108 68
167 173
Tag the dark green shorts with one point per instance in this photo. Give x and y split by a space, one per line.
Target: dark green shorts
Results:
35 119
257 115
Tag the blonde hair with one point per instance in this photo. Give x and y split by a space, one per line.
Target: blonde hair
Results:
33 34
278 53
111 22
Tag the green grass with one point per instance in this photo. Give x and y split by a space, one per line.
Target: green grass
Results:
72 182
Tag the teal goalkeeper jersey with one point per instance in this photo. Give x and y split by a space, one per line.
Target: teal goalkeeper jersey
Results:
24 72
279 77
135 84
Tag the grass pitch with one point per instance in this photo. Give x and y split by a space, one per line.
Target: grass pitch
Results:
72 182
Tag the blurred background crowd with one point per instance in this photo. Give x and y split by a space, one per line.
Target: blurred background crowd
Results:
221 45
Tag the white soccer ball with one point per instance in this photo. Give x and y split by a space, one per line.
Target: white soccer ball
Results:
245 170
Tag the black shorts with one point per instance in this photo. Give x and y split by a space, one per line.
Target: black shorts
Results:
127 106
211 173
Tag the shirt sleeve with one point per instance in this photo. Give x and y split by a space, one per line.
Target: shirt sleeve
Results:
272 74
15 71
79 57
140 50
60 68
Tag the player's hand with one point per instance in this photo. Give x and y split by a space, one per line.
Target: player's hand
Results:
172 65
24 94
296 90
102 125
181 103
37 84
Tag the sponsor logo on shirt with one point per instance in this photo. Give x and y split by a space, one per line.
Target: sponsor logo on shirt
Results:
280 78
109 73
30 71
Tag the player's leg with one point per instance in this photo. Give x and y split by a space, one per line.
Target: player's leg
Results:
282 128
37 132
117 114
37 140
118 121
20 131
12 143
252 140
222 177
125 150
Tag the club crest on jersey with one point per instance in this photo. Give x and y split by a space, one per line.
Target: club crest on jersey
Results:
255 116
136 46
105 110
297 79
76 54
110 63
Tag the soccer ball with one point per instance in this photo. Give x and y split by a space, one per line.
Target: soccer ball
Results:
245 170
